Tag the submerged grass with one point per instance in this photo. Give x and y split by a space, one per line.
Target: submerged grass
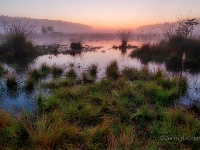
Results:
124 110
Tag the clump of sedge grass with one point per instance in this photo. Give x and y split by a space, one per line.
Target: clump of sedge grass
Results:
35 74
11 82
86 78
71 74
76 44
45 68
159 72
56 71
29 84
131 74
93 70
42 72
112 70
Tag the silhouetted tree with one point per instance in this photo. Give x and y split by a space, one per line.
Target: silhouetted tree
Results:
124 35
186 27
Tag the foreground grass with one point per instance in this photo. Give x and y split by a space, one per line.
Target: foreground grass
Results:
129 111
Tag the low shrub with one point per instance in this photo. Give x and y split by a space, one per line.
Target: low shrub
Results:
77 44
18 41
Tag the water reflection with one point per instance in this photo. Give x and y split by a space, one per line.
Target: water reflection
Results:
192 95
175 65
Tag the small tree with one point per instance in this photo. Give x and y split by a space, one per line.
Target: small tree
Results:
124 35
186 27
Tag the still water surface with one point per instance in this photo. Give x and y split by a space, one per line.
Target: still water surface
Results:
22 100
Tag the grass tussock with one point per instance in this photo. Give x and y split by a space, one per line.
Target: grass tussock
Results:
11 82
71 74
29 84
112 70
93 70
36 74
130 111
77 44
44 71
45 68
56 71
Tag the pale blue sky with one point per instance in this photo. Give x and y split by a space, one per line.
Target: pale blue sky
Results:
103 13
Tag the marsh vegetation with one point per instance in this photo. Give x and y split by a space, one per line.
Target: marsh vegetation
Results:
95 106
124 110
178 44
17 42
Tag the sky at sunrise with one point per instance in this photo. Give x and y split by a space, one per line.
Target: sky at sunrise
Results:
105 14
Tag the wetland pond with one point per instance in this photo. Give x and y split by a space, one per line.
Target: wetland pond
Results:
101 53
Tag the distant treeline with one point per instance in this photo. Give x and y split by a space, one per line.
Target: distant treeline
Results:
59 26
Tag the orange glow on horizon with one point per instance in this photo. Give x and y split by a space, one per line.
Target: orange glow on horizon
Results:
104 14
115 26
